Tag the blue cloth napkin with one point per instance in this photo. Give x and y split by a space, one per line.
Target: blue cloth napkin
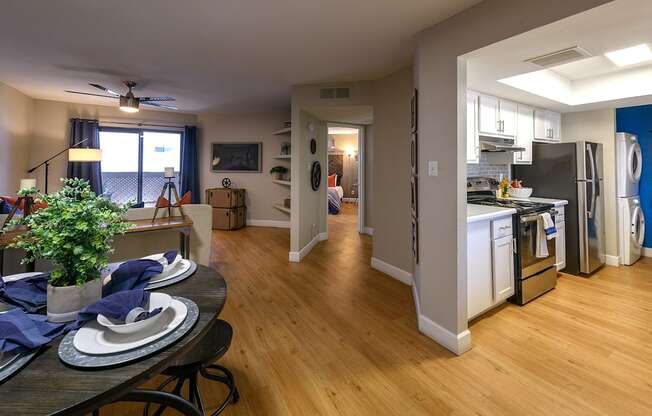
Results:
132 274
170 255
117 306
29 294
20 331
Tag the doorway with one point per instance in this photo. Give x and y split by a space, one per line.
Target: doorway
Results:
345 196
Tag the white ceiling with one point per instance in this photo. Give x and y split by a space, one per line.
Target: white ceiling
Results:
227 55
616 25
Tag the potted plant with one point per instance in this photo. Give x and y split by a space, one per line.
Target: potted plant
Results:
278 172
75 231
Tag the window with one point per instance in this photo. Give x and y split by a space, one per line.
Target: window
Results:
133 162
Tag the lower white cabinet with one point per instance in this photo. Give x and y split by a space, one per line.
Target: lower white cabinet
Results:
490 265
560 225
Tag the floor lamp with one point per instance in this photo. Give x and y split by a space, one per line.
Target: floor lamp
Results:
75 154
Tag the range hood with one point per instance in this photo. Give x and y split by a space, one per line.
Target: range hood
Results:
499 144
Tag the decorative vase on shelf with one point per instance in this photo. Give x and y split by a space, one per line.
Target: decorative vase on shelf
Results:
277 176
64 302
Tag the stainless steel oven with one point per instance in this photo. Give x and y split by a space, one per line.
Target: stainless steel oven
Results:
535 275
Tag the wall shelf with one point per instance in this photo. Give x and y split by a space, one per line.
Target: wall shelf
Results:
282 208
285 183
283 157
287 130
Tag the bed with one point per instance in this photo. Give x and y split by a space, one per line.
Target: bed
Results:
335 195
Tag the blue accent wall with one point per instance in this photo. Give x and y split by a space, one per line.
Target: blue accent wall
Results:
638 121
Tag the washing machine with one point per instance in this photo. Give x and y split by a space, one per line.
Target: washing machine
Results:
629 164
632 229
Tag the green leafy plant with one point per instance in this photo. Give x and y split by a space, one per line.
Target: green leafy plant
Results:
279 169
28 191
75 232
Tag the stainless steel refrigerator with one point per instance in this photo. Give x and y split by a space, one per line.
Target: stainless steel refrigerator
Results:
572 171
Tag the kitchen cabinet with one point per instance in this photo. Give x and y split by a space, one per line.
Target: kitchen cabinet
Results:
503 268
479 268
547 126
496 117
560 225
524 134
472 139
490 264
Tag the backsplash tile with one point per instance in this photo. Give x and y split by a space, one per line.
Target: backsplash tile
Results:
487 168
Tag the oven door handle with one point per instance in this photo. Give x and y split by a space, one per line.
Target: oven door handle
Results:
534 217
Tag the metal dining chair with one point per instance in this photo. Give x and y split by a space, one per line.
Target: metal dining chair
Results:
200 363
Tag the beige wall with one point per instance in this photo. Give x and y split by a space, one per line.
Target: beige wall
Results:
262 193
391 174
16 110
599 126
51 131
441 80
308 207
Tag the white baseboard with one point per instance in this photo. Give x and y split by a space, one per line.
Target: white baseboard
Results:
368 230
646 252
456 343
269 223
612 260
398 274
297 256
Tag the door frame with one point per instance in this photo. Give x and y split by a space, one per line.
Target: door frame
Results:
361 170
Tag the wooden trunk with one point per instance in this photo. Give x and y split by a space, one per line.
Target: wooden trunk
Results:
229 218
225 197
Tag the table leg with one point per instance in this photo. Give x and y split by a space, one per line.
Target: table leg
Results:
184 244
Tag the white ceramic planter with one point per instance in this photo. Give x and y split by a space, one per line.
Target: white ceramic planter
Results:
65 302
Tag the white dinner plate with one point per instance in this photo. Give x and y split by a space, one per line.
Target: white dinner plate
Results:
179 267
95 339
14 277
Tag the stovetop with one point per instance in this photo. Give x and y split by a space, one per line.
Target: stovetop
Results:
521 207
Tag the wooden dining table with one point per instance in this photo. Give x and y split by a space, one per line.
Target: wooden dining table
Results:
47 386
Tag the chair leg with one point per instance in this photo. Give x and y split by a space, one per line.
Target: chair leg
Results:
176 391
194 394
227 379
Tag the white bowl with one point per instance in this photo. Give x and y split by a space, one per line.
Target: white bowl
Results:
156 300
520 192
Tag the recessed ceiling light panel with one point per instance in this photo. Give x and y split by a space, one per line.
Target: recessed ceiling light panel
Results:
630 56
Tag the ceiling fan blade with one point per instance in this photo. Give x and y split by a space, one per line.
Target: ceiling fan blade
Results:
99 87
95 95
169 107
156 99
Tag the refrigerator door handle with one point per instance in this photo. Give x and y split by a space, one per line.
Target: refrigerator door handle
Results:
591 211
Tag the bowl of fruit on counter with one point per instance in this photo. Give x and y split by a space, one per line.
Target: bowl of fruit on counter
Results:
517 190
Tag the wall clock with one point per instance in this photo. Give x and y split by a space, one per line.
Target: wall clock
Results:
315 175
226 183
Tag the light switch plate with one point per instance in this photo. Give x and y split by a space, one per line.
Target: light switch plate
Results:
433 168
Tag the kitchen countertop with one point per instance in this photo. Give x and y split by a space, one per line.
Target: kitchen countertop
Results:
555 202
476 213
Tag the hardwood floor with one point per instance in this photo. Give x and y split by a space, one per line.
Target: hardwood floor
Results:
331 336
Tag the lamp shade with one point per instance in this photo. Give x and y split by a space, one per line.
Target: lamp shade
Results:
84 155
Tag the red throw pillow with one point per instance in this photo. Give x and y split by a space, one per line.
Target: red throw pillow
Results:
332 180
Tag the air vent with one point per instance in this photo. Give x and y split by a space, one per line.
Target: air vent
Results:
330 93
560 57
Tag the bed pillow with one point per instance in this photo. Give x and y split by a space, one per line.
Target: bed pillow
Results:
332 180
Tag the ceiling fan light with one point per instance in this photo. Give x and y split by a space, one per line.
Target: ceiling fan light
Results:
129 104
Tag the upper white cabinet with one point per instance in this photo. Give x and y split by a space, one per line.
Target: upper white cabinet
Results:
547 126
472 139
496 117
524 134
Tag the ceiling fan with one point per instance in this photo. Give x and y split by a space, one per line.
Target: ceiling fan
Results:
129 102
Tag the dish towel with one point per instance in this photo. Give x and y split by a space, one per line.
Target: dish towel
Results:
20 331
28 294
117 306
549 226
541 239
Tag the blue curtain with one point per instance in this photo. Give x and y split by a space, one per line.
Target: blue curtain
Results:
81 129
189 166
